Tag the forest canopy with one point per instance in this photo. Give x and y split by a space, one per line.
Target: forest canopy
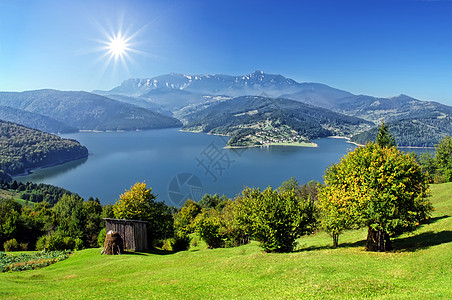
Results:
22 148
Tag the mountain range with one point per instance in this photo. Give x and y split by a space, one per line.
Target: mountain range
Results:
79 111
187 94
176 100
175 91
255 120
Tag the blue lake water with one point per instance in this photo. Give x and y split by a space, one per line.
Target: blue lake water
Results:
179 164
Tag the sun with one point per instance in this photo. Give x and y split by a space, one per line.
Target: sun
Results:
118 46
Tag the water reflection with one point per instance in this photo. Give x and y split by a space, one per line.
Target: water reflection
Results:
52 171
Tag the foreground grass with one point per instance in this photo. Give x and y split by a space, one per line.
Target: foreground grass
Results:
419 268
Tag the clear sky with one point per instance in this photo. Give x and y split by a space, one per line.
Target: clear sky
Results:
379 48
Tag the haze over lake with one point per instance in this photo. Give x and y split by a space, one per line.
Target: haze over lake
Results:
119 159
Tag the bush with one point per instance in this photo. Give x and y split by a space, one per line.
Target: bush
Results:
276 218
78 244
57 241
101 237
208 228
181 242
11 245
166 245
23 246
41 243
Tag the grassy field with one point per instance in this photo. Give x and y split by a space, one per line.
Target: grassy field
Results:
419 268
16 196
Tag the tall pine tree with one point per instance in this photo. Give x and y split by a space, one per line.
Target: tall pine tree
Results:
384 138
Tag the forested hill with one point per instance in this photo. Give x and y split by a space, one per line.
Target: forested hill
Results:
22 148
87 111
424 131
248 119
34 120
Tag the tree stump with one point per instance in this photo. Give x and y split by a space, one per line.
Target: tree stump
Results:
113 244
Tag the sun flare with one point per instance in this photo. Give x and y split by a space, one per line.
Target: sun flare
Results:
118 46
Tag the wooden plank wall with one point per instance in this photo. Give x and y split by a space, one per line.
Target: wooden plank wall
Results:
134 234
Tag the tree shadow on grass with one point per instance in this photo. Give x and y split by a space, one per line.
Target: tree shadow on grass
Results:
149 251
360 243
312 248
422 241
126 252
436 219
406 244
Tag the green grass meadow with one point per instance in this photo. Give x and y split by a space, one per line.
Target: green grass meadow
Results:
420 267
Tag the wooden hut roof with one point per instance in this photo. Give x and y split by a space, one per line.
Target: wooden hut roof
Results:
125 220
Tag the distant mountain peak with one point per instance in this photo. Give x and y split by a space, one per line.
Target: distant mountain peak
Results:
403 97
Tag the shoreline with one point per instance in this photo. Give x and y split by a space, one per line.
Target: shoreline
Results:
361 145
29 171
303 144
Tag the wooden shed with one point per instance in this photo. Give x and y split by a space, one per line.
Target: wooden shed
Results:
134 233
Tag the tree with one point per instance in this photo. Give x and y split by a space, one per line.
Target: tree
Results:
68 212
135 204
291 184
9 218
378 187
208 226
184 220
209 201
276 218
384 138
92 210
303 191
139 203
444 157
428 164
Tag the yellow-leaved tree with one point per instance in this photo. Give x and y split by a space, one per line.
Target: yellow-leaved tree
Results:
377 187
139 203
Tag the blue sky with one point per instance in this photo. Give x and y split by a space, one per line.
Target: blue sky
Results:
379 48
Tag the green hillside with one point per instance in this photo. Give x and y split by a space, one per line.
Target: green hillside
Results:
419 268
425 131
87 111
253 120
34 120
22 148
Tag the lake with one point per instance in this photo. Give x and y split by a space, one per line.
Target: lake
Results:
180 164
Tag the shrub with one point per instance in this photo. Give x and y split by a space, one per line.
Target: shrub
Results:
101 237
184 219
181 242
167 245
276 218
57 241
78 244
41 243
23 246
208 228
11 245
